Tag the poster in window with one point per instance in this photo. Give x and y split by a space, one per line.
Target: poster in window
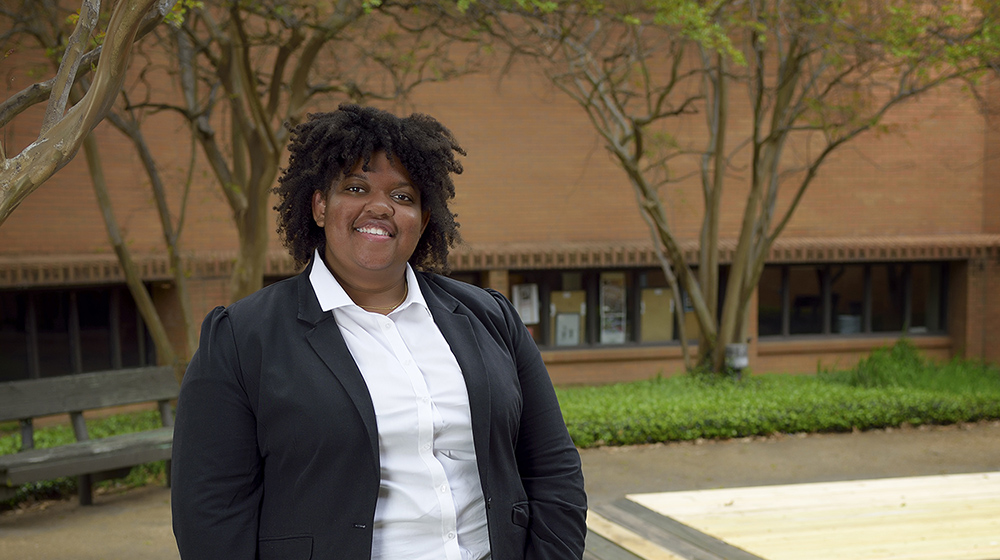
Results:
613 308
567 329
568 301
656 315
526 302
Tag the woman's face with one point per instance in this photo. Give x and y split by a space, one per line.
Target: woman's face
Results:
373 221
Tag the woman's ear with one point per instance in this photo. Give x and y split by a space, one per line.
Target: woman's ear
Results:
319 208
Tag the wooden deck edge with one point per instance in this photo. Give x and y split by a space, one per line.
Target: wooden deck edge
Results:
600 548
684 541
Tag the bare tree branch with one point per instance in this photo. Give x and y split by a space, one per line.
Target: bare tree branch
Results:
22 174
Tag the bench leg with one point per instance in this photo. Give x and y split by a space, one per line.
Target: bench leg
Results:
85 486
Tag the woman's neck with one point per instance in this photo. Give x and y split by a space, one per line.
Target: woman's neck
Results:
380 298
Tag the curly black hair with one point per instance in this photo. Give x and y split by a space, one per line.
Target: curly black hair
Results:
327 145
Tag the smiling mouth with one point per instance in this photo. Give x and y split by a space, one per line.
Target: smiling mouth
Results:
373 231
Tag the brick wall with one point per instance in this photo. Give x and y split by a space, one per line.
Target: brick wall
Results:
537 172
989 330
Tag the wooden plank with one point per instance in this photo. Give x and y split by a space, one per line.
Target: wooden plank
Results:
600 548
680 540
87 391
951 517
627 539
87 456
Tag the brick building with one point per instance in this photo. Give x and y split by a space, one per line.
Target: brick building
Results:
898 236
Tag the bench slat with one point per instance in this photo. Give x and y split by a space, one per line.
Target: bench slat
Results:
85 457
86 391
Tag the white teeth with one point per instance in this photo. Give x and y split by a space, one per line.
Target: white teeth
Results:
374 231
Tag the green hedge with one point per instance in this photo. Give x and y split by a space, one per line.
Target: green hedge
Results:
892 387
687 408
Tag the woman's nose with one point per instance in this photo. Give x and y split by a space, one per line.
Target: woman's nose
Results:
379 205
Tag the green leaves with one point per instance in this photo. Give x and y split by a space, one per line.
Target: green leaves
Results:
891 387
176 15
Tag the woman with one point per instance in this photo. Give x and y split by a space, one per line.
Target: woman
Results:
369 408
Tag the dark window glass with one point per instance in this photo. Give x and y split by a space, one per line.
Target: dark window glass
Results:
769 302
13 336
94 307
49 333
807 299
888 297
52 314
847 298
926 298
897 296
132 332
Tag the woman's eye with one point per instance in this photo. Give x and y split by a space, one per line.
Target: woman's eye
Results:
404 197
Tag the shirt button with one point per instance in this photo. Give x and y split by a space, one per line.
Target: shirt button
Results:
451 535
427 446
387 325
408 362
444 488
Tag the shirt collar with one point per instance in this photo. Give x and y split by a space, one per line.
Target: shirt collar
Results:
331 294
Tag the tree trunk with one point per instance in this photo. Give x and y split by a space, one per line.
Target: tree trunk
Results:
165 353
171 235
253 226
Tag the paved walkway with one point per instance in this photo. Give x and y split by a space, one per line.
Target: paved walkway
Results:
135 525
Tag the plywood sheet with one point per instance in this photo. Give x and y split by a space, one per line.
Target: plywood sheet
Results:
948 517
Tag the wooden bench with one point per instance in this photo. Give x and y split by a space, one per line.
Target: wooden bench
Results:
91 460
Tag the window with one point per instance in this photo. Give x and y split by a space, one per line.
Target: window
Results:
805 286
657 308
852 298
45 333
848 297
571 308
614 310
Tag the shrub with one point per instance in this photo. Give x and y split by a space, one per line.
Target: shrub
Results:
891 387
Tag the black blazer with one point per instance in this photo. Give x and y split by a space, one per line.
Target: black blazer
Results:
276 449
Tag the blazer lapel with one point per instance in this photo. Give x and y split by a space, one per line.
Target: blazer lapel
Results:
454 323
328 343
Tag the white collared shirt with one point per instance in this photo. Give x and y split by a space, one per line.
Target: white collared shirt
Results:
430 503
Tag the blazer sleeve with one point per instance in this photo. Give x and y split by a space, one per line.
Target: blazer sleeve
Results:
216 467
548 461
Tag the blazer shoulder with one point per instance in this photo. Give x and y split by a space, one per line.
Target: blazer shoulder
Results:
489 307
479 300
266 302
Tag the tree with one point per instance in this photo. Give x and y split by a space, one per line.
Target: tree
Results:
247 70
816 74
62 134
64 130
257 130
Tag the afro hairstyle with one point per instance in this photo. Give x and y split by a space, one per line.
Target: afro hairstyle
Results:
327 145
